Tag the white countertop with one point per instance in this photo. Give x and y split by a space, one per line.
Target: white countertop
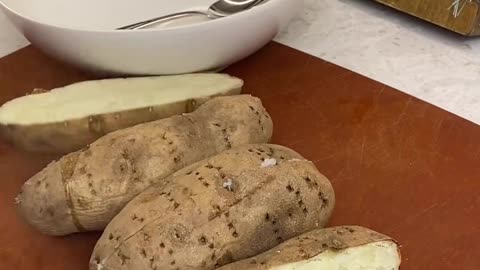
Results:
420 59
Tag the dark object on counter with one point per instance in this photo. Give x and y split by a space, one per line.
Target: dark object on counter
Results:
461 16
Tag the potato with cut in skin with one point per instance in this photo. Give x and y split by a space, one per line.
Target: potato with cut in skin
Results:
338 248
84 190
229 207
66 119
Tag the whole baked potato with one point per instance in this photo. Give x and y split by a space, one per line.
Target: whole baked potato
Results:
229 207
84 190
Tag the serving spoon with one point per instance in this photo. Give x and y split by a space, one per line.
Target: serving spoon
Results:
219 9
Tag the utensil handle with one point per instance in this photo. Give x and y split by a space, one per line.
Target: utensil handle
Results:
149 22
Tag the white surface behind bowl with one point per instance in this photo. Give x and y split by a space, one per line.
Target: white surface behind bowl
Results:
81 33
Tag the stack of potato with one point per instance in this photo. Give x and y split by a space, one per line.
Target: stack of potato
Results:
179 173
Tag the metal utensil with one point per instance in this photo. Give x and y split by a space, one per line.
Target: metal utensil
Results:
219 9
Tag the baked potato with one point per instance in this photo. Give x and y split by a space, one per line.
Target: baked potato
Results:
338 248
229 207
66 119
84 190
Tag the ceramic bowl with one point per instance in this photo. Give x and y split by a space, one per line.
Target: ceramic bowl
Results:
83 33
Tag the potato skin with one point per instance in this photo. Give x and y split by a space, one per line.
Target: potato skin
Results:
219 210
100 179
308 246
69 136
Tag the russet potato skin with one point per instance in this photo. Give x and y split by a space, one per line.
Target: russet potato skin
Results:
84 190
309 245
228 207
72 135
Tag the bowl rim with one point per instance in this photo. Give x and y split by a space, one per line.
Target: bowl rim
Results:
269 4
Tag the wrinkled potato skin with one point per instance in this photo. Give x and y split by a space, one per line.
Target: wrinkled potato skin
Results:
308 246
196 220
84 190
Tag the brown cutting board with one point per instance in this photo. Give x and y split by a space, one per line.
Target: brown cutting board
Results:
398 165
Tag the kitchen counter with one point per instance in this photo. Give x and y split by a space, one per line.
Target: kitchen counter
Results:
399 50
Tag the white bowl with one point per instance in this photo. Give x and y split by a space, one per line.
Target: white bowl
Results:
81 32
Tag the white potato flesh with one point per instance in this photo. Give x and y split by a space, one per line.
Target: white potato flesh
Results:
88 98
374 256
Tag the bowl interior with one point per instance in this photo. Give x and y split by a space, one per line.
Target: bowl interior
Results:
99 15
